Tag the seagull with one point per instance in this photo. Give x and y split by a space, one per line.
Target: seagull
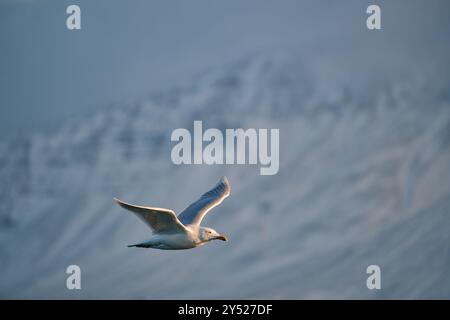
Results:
183 232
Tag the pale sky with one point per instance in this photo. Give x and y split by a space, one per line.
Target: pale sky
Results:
128 49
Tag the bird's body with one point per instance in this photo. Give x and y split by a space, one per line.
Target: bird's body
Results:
183 232
174 241
177 241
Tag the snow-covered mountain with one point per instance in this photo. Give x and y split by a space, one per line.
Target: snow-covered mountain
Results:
364 179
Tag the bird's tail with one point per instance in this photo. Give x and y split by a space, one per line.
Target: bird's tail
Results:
138 245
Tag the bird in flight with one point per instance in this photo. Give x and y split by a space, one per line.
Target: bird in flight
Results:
183 232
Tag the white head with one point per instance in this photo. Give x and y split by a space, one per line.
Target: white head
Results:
208 234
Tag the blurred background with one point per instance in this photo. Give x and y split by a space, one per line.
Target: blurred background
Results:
364 119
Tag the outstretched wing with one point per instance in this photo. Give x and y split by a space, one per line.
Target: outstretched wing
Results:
195 213
160 220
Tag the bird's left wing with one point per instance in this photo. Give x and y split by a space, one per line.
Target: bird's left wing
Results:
160 220
195 213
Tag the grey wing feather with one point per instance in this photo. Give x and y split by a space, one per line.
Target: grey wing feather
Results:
195 213
160 220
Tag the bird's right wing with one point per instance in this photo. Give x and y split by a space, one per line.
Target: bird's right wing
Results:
195 213
160 220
